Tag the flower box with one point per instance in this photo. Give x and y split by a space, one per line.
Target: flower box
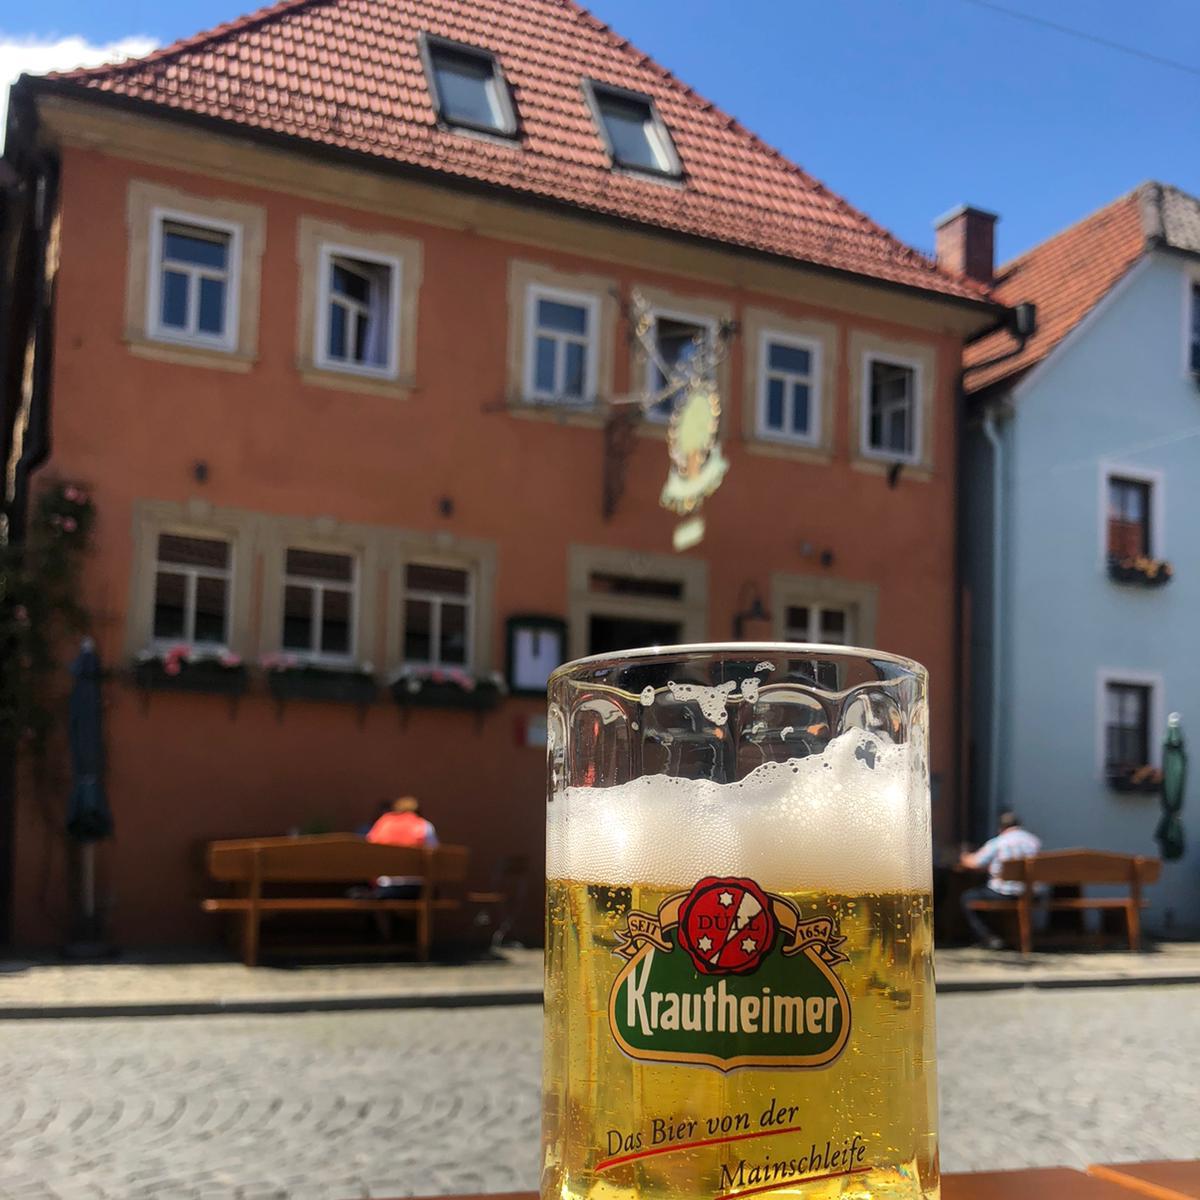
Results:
1143 781
446 689
325 684
1148 572
201 675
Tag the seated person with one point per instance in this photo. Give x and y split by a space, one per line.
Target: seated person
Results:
1012 841
401 825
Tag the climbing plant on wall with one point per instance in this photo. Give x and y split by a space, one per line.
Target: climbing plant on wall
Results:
40 604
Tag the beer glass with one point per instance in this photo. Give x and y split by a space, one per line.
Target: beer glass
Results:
739 940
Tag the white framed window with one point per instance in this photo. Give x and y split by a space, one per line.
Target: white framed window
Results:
320 605
789 388
632 130
195 268
438 614
678 337
193 584
827 624
561 345
1132 512
890 416
358 309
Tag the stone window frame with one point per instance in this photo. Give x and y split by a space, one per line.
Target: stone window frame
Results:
152 518
525 275
474 555
789 589
691 610
759 324
864 349
697 310
1156 715
147 206
259 544
315 240
1155 478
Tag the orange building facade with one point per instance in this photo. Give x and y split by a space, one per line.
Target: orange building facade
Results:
259 495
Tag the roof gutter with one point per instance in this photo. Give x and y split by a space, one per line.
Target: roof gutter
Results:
38 85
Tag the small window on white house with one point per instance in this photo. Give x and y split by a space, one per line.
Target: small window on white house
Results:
561 351
438 605
192 590
358 319
1126 727
319 604
193 292
890 409
678 341
822 623
788 389
1129 515
469 88
1194 328
633 132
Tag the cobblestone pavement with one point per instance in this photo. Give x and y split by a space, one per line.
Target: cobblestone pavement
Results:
341 1106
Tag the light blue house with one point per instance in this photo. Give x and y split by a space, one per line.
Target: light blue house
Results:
1081 483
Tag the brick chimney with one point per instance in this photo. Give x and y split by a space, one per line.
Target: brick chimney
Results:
966 242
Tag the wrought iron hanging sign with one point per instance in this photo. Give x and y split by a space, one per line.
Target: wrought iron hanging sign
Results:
689 384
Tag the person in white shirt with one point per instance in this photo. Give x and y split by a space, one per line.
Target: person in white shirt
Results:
1011 842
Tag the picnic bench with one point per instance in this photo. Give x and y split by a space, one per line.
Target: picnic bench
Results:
1075 868
269 876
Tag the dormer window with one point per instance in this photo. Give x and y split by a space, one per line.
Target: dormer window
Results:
468 87
633 132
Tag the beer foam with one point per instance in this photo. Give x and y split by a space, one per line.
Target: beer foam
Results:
852 819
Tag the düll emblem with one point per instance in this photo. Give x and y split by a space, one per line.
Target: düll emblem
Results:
726 926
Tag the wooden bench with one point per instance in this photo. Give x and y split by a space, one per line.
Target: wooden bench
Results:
1076 867
262 870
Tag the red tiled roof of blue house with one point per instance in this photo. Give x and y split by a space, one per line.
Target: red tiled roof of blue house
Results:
1069 274
347 75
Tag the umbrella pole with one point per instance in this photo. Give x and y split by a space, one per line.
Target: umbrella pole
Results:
88 886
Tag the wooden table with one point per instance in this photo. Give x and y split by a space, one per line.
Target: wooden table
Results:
1166 1180
1055 1183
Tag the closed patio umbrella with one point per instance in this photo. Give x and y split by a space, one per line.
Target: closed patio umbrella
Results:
1169 833
88 816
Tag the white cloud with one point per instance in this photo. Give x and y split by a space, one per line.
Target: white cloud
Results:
35 56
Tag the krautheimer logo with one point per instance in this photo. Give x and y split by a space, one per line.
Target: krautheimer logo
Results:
728 975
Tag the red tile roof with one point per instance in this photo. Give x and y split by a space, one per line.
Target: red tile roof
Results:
1065 277
347 74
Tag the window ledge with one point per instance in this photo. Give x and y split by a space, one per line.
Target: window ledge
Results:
921 472
794 451
352 381
581 416
188 354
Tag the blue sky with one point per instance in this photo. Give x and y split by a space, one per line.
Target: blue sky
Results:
905 107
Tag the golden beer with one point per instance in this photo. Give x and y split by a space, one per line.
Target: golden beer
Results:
739 971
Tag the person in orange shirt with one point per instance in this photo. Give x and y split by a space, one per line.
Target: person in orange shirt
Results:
402 825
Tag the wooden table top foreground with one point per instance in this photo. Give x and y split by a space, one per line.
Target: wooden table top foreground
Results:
1116 1181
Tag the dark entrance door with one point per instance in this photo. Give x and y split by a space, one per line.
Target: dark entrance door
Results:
609 634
